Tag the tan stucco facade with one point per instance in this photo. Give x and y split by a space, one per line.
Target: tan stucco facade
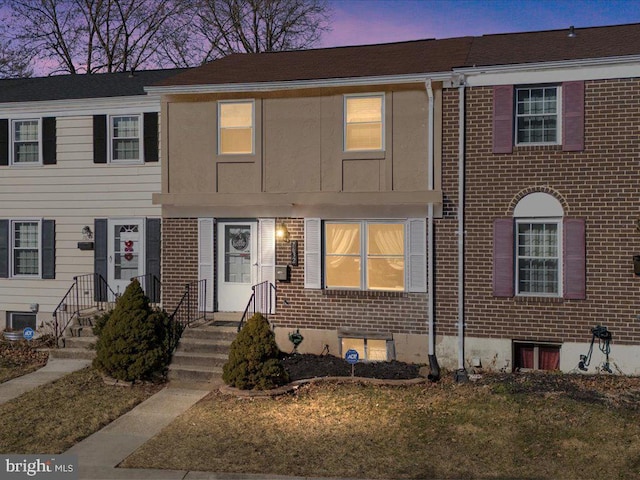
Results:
298 165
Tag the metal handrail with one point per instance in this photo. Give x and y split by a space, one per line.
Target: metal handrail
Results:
87 292
262 300
192 304
151 286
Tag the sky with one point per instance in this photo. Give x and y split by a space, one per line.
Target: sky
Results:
357 22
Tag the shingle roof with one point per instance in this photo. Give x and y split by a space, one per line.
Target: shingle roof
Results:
418 56
555 45
68 87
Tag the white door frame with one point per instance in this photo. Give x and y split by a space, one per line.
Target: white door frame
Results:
119 280
233 295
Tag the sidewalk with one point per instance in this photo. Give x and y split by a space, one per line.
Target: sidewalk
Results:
53 370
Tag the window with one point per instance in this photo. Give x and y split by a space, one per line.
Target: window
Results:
26 142
537 115
363 124
538 257
126 146
365 255
21 320
534 356
25 238
235 127
369 349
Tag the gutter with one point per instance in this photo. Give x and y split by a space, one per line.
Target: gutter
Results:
461 373
434 374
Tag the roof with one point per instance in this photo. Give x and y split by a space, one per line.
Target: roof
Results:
416 57
79 86
401 58
555 45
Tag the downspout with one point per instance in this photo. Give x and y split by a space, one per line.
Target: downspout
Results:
434 374
461 374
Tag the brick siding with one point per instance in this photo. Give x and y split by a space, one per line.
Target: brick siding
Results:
179 258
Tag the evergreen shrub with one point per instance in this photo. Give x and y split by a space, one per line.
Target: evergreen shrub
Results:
254 358
135 342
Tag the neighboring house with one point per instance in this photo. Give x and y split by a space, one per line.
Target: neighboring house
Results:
79 161
342 147
360 152
552 198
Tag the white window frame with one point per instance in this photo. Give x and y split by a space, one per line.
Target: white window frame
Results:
12 142
140 138
366 353
558 114
12 235
381 95
536 354
534 220
253 125
363 254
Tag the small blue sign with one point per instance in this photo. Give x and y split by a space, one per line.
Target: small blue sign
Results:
28 333
351 356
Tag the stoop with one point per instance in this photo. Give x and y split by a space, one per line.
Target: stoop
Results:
78 342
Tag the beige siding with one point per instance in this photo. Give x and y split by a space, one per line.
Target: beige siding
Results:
73 192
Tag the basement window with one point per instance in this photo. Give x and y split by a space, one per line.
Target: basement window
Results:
370 348
536 356
21 320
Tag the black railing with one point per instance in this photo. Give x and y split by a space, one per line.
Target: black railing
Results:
88 292
192 305
262 300
151 286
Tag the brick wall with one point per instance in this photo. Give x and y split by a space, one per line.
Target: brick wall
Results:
365 311
179 258
600 184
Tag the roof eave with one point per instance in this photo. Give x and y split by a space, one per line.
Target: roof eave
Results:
296 84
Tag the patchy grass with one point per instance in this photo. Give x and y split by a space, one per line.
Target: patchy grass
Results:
19 358
53 417
509 427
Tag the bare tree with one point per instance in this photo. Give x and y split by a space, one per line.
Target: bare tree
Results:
89 36
13 63
221 27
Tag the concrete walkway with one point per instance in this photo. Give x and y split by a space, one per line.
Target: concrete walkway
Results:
53 370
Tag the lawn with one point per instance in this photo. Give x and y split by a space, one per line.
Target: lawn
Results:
20 358
509 426
53 417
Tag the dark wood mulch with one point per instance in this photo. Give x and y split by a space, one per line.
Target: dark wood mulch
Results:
303 366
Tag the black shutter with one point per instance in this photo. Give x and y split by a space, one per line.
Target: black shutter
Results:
4 142
4 248
48 249
99 139
151 137
49 140
153 259
100 258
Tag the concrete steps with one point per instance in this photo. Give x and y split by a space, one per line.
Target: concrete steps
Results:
201 353
79 340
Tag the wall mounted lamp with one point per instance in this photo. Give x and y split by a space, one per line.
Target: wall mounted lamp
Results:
282 233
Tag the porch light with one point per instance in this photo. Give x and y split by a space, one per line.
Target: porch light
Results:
282 233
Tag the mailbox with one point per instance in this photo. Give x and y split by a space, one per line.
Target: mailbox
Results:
282 273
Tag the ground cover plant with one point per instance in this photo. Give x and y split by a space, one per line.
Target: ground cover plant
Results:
53 417
18 358
502 426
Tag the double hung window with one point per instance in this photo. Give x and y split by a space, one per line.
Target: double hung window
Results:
365 255
26 142
538 115
25 238
363 122
236 127
126 145
538 257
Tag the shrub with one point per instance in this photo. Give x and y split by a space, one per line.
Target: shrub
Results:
135 342
99 321
254 358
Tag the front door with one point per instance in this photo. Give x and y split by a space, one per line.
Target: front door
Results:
237 264
126 252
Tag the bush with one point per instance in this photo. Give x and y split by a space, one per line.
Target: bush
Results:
135 342
99 321
254 358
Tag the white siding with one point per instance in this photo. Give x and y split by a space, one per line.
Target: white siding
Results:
73 192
